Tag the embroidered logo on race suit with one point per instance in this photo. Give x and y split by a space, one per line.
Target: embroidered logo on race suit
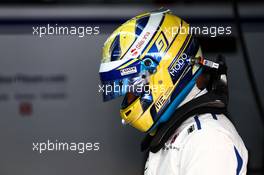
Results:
190 129
127 71
169 145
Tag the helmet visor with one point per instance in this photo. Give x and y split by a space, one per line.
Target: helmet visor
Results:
133 85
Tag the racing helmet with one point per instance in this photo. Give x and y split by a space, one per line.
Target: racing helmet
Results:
147 60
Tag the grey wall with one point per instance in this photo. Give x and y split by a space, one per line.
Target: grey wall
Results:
80 116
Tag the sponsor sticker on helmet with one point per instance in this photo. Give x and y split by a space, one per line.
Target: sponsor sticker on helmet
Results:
139 44
159 104
128 71
178 64
162 100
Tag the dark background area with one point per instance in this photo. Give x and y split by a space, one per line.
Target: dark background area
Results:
77 113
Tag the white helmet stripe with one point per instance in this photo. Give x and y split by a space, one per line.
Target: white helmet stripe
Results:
145 36
105 67
138 46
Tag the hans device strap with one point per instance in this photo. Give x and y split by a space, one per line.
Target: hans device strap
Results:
215 101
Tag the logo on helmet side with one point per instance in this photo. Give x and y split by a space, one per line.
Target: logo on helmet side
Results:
162 100
138 46
159 104
129 70
177 65
134 52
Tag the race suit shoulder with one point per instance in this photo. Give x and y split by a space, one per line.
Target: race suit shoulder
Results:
203 145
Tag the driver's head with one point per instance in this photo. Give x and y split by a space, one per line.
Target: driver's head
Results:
147 60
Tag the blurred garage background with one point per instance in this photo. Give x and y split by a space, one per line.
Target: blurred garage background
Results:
69 108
